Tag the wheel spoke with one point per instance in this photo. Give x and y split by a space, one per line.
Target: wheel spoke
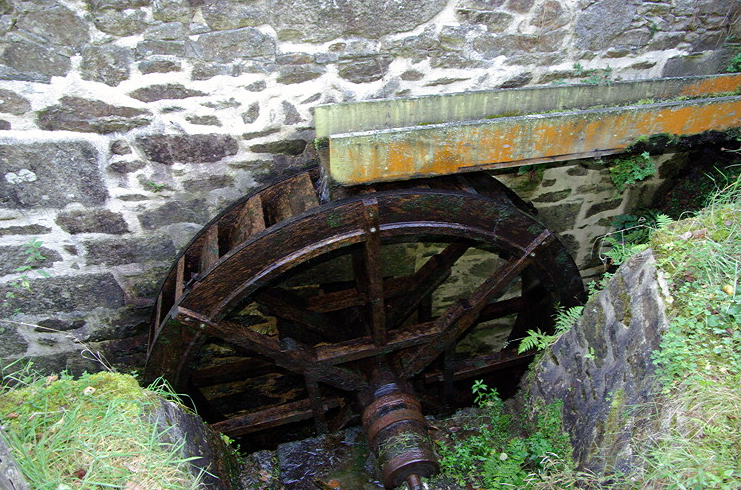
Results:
428 278
292 356
272 417
289 306
373 271
463 313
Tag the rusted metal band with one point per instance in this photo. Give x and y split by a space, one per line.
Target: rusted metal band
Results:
387 401
395 417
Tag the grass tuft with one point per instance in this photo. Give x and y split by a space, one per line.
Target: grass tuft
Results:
88 433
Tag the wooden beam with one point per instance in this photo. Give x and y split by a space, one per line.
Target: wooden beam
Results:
448 148
370 115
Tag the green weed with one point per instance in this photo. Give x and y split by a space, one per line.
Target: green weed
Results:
88 433
626 171
506 450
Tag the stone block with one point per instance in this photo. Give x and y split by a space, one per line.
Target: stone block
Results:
602 207
49 174
194 148
159 66
34 60
174 10
559 217
226 46
319 20
64 294
285 147
208 120
175 212
253 112
363 70
91 116
161 48
13 257
170 31
494 21
120 22
602 21
55 25
126 166
706 63
92 221
226 14
290 74
12 103
13 344
106 64
111 252
25 230
165 91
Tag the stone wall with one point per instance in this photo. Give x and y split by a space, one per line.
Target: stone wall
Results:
127 124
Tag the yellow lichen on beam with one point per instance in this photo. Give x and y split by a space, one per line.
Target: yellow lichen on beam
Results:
397 154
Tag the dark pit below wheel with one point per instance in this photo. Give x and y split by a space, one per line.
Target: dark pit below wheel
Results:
288 309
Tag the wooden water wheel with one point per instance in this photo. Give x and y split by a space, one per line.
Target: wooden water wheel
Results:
290 307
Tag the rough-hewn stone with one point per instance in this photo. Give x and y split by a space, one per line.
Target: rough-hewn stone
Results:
25 230
64 294
226 46
11 476
494 21
194 148
601 22
174 10
364 70
518 80
319 20
120 147
91 116
226 14
12 103
159 66
175 212
253 112
34 59
13 345
602 207
126 166
129 251
286 147
56 25
160 48
49 174
165 91
290 74
291 115
559 217
92 221
13 257
106 64
697 64
119 22
602 369
207 120
208 183
170 31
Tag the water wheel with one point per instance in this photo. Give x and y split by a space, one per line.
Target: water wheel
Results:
291 307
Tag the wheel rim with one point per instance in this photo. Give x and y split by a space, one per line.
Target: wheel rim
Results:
331 333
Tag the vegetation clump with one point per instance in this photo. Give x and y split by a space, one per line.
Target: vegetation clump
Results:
89 433
500 449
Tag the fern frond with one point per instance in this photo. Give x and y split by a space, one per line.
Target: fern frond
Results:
566 318
532 340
